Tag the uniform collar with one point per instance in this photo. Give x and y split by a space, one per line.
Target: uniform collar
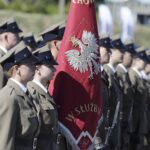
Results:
23 88
138 72
34 84
3 49
112 68
40 85
123 67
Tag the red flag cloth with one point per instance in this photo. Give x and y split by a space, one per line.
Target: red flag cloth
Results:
76 84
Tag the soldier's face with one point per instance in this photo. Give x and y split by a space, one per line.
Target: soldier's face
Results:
104 55
47 72
127 59
12 40
58 44
26 71
54 47
147 68
117 56
141 64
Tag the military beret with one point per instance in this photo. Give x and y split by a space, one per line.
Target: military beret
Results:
130 47
45 56
17 55
105 41
117 43
12 26
3 27
141 53
29 40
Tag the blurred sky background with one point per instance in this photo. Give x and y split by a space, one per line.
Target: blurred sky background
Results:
125 17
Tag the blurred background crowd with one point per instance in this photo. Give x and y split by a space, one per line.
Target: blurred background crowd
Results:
36 15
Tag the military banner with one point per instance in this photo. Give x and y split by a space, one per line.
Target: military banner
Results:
76 84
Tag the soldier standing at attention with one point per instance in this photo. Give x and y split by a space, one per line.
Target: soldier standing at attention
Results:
116 96
140 97
122 74
147 72
49 137
3 51
3 28
19 121
9 37
105 52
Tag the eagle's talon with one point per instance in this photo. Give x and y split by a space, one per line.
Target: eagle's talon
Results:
74 41
91 77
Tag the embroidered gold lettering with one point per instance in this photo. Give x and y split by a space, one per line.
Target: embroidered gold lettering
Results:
77 110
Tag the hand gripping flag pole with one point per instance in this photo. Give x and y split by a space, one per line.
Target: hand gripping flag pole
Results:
76 83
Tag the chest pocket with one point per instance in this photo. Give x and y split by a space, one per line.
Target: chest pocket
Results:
29 122
46 105
126 84
48 113
140 86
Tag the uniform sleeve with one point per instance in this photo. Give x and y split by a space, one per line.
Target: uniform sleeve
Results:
132 79
1 77
8 119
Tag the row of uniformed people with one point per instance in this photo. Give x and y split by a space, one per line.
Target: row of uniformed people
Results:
125 122
46 109
11 34
9 37
122 113
28 114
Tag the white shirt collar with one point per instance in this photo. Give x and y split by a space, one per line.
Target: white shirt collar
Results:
3 49
123 67
40 85
144 75
102 68
112 68
138 72
24 89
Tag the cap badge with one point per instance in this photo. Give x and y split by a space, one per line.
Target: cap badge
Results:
25 55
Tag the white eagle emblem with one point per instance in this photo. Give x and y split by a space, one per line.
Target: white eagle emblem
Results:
87 57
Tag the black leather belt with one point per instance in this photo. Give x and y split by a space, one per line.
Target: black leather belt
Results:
56 137
45 136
